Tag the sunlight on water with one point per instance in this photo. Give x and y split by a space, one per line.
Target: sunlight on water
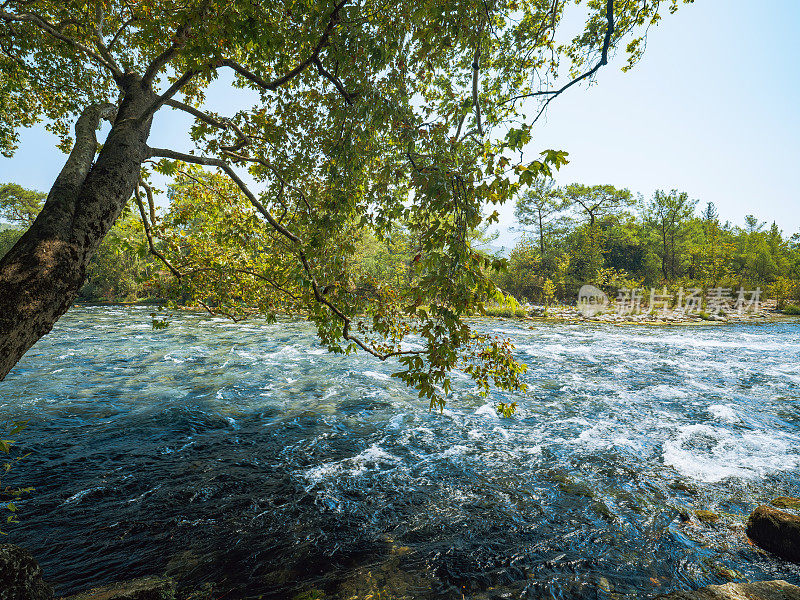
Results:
247 456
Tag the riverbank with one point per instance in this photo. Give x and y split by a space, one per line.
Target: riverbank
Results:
766 313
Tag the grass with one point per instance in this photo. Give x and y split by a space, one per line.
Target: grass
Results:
504 311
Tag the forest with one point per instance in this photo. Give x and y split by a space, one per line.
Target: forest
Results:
571 235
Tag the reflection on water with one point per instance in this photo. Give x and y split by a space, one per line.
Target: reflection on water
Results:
246 456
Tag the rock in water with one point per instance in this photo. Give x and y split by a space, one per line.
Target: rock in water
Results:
786 502
146 588
760 590
775 531
21 576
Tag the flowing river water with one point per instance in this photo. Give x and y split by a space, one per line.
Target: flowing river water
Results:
246 456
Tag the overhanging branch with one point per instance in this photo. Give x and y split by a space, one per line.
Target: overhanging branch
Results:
553 94
147 230
319 296
275 84
44 25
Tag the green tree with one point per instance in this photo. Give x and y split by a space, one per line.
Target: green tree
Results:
667 215
369 115
539 207
121 268
596 200
19 205
522 278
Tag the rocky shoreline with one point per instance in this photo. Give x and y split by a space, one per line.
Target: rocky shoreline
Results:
769 528
766 313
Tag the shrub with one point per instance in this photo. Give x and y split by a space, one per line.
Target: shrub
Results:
504 311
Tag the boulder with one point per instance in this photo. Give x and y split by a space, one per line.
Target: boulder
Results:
759 590
786 502
146 588
776 531
706 516
21 576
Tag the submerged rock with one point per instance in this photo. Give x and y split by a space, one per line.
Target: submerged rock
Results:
146 588
776 531
786 502
706 516
21 576
759 590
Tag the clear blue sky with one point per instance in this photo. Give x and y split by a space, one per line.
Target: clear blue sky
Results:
713 109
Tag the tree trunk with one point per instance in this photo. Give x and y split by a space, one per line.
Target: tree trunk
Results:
41 275
541 233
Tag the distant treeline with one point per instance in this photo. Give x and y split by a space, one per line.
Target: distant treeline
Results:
574 235
606 236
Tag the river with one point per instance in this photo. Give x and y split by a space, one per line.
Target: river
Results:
246 456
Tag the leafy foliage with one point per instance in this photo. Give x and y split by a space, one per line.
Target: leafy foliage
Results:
8 494
19 205
373 121
507 410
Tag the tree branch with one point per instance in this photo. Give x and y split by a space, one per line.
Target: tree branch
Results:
122 28
221 164
475 72
51 30
167 95
148 232
348 97
553 94
101 45
195 112
179 40
319 297
275 84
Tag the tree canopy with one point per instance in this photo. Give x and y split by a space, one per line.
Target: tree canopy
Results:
373 119
19 205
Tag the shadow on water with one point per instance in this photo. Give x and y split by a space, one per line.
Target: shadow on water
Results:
249 458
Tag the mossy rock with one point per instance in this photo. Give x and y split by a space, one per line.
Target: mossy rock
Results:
602 510
680 486
605 585
576 489
146 588
312 594
179 565
706 516
21 576
775 531
786 502
727 573
758 590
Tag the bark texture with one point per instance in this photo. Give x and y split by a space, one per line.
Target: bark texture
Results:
41 275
